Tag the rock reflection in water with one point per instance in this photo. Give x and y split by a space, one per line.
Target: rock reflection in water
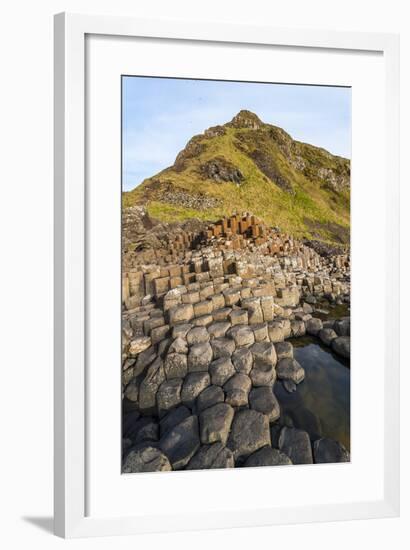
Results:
321 403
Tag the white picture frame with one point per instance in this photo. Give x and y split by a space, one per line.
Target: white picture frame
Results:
70 264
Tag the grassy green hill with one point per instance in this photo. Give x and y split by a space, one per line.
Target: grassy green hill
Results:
247 165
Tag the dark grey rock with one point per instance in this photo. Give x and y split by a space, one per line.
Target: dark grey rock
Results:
296 444
215 423
145 429
342 327
242 360
169 395
173 418
341 346
211 456
154 377
237 389
222 347
283 349
208 397
264 400
181 442
145 358
221 370
249 432
199 357
314 326
329 451
175 365
290 369
327 335
289 386
267 457
193 385
146 459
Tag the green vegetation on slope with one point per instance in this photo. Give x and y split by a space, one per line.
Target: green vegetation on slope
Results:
247 165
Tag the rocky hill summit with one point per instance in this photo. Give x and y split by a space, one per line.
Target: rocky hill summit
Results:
249 165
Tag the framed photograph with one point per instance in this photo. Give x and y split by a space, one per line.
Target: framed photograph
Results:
226 276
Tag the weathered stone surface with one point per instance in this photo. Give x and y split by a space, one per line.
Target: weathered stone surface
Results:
264 400
237 389
159 333
139 344
203 308
267 457
289 369
203 321
145 429
307 308
197 335
221 314
179 345
181 442
132 389
283 349
180 331
218 329
264 353
222 347
211 456
232 296
146 459
276 332
193 385
242 335
181 314
169 395
173 418
297 328
314 326
242 360
267 308
199 357
289 386
221 370
264 359
154 377
341 346
342 327
145 358
238 317
253 305
249 432
209 396
176 365
260 331
215 423
329 451
327 335
296 445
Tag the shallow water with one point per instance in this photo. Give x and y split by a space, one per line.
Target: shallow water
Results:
321 403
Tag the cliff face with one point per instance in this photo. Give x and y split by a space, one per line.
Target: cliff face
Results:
247 165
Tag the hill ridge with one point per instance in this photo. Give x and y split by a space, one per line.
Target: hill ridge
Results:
247 164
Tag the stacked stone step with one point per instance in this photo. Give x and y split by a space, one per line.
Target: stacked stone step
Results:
192 390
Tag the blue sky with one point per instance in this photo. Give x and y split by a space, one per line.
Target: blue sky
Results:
160 116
